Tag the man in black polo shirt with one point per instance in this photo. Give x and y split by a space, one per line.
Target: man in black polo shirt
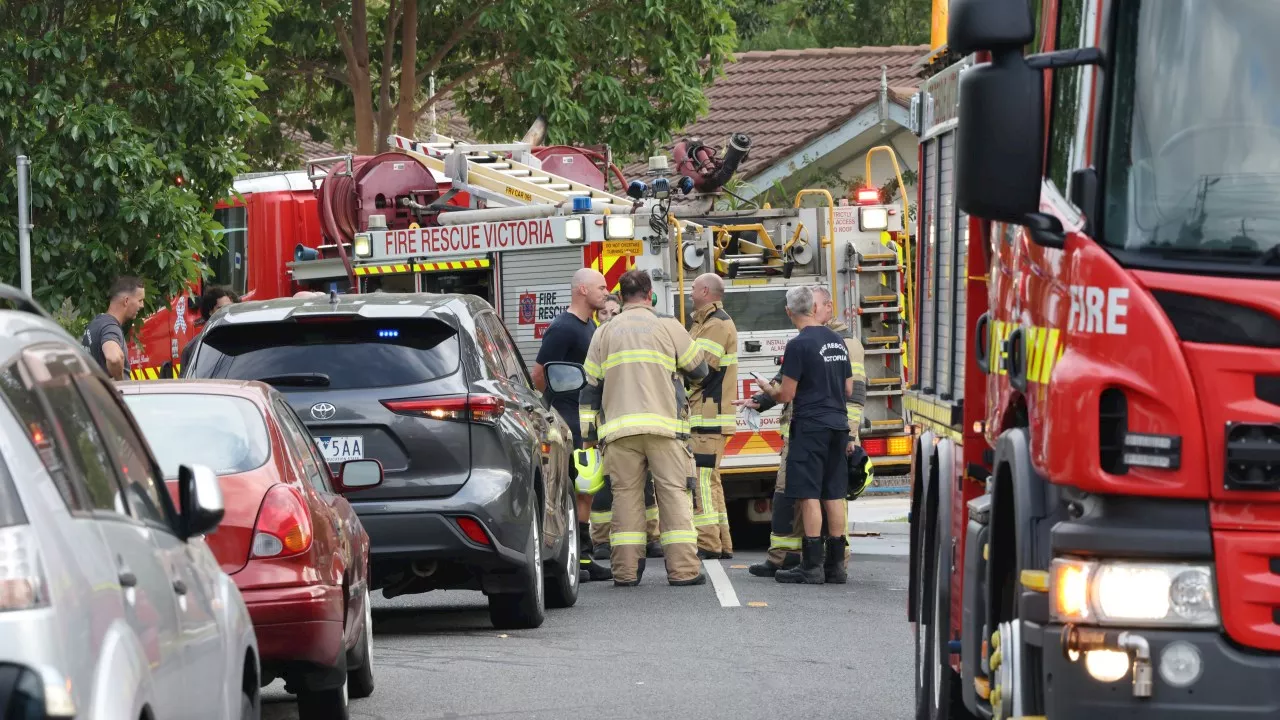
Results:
817 378
567 340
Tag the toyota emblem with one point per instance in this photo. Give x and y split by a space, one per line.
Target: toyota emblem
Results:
323 411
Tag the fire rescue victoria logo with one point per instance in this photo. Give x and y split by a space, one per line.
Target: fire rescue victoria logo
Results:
528 308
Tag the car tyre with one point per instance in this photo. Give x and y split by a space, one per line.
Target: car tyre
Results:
526 609
360 660
562 583
249 707
328 704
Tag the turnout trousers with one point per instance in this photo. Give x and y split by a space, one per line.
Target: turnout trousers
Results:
602 512
628 461
786 529
711 516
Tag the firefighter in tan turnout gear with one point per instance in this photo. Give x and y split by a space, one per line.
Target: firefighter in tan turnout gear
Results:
634 406
711 416
786 532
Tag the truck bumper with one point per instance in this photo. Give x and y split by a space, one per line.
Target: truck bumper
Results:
1233 682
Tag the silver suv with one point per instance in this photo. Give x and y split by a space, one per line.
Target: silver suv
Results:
111 605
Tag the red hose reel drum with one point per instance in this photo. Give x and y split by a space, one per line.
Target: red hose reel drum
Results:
376 186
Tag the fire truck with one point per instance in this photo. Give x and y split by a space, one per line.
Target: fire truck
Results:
527 230
1095 508
272 219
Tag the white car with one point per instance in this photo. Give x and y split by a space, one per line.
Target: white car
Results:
111 605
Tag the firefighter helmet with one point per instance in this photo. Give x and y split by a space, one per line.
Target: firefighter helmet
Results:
590 470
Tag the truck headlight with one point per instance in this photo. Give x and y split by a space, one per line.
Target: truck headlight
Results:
1111 592
363 245
619 227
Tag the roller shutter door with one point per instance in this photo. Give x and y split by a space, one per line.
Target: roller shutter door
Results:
535 288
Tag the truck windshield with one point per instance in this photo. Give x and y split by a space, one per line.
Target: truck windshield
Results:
1193 169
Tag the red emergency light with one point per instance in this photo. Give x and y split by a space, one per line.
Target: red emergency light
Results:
875 446
867 196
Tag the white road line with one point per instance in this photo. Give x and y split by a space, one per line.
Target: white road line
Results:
720 581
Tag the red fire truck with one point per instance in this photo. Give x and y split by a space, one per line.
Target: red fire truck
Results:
1096 487
271 215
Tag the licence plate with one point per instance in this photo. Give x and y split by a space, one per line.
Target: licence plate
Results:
341 448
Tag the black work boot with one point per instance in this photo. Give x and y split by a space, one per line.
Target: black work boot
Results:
700 580
593 571
602 551
769 569
653 549
633 583
707 555
810 570
834 568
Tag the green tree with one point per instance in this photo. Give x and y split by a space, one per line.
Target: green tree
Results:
130 113
798 24
623 72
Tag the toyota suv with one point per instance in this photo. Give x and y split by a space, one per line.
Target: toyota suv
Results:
476 491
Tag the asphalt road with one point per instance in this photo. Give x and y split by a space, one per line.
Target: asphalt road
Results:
654 651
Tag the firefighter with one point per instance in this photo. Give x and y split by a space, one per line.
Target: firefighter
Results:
634 406
786 532
602 502
711 418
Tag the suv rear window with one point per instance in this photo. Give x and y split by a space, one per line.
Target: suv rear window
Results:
339 354
226 434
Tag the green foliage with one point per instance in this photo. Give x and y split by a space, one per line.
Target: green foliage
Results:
798 24
113 102
622 72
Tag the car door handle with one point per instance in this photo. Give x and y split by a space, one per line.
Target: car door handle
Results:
127 578
179 587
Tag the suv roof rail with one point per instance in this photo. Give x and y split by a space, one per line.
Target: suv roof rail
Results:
11 298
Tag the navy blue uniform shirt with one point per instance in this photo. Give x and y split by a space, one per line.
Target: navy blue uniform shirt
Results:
818 360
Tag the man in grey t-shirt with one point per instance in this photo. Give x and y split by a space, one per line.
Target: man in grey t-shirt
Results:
104 338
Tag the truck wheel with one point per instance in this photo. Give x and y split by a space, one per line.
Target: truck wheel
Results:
938 691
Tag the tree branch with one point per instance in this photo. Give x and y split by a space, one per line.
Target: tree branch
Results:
458 81
458 35
385 110
348 49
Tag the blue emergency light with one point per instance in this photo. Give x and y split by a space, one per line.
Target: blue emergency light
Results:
581 204
387 334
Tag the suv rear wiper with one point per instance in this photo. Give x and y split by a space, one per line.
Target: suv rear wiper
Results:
297 380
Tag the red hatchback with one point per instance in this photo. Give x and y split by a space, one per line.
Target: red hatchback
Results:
291 542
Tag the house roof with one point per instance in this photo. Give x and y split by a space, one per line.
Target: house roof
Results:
785 99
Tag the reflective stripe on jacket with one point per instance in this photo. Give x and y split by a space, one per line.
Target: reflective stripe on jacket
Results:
633 377
717 337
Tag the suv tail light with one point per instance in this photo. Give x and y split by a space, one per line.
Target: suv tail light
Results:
22 581
461 408
284 524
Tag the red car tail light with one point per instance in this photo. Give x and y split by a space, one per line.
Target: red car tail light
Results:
460 408
473 530
875 446
284 524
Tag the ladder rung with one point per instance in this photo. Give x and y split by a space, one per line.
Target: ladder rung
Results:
879 310
879 256
879 298
559 186
578 193
877 268
883 393
884 351
884 381
540 179
517 173
881 339
887 423
499 166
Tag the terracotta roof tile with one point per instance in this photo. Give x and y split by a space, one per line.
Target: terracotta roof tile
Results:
784 99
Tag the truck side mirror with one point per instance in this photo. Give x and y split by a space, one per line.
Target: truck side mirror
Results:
974 25
1000 143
